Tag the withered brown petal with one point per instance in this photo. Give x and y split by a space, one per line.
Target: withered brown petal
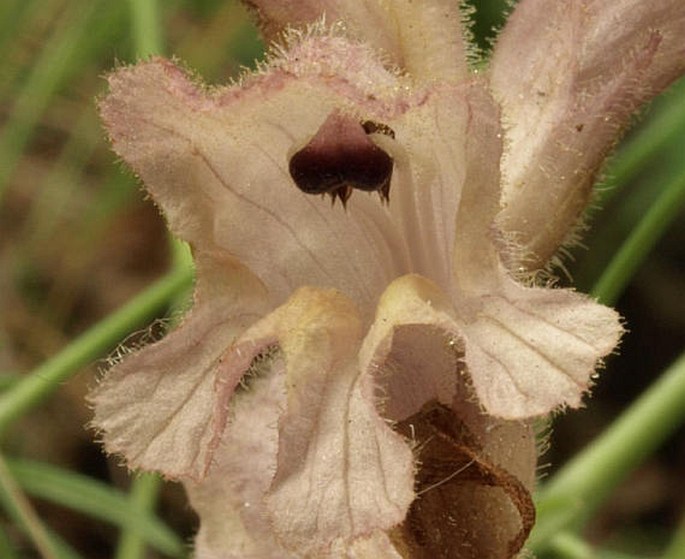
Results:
339 156
466 506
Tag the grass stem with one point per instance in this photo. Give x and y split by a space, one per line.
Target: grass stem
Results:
568 499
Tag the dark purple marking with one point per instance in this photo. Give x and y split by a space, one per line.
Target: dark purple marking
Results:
341 157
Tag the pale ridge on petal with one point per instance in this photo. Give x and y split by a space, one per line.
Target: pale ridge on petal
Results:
230 500
348 472
416 305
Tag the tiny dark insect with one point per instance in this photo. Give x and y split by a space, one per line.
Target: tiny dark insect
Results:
341 157
371 127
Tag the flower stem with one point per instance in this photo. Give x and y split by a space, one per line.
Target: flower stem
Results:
46 378
588 479
636 247
147 30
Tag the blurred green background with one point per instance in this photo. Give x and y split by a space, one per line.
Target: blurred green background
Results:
78 239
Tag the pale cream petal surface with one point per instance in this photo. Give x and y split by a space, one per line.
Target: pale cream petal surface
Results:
430 163
341 472
532 350
527 350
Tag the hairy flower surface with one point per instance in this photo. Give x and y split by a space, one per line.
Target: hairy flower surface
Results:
357 373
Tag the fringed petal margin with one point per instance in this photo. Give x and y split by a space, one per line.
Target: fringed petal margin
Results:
159 407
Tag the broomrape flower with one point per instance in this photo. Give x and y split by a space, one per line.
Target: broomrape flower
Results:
357 375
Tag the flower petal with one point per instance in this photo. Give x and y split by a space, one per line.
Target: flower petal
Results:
160 407
569 75
467 506
531 350
342 473
408 33
430 160
410 343
377 546
527 350
218 165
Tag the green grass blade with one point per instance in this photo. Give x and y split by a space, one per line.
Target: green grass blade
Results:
13 14
636 247
571 495
62 182
8 379
45 379
20 510
81 34
142 497
566 545
46 76
647 160
96 499
676 547
7 550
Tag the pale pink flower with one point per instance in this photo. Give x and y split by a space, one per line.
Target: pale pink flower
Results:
342 358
